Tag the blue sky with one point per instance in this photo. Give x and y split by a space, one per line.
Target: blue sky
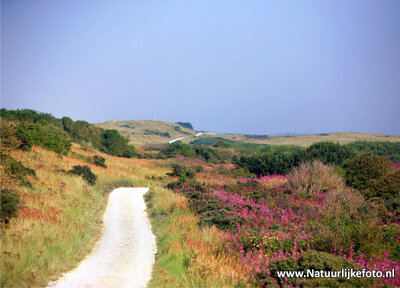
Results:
226 66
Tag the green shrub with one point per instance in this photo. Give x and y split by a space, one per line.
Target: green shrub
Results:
115 144
181 170
272 162
362 169
53 139
318 261
313 177
99 161
85 172
9 205
18 172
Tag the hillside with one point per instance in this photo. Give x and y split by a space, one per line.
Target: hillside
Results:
142 132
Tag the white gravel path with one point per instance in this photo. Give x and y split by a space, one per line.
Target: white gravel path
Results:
124 257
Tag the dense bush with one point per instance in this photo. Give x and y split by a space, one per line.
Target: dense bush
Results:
270 163
85 172
380 148
318 261
329 153
36 134
9 205
83 132
9 140
181 170
18 172
115 144
99 161
362 169
313 177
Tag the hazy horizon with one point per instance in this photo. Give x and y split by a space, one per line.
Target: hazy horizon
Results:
261 67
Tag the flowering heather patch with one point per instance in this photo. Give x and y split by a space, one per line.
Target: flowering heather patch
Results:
265 223
381 263
396 165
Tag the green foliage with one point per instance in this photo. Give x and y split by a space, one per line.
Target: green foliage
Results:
99 161
36 134
181 170
271 162
115 144
318 261
329 153
361 170
56 134
380 148
83 132
9 205
18 172
31 116
185 125
85 172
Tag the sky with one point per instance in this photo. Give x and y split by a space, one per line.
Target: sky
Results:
254 67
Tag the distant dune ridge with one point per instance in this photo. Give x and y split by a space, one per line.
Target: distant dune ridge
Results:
142 132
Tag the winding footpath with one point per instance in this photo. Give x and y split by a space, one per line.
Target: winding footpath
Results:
124 257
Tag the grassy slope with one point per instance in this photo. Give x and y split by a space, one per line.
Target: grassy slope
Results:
137 128
60 218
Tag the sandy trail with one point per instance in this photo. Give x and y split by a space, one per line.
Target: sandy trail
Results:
125 254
